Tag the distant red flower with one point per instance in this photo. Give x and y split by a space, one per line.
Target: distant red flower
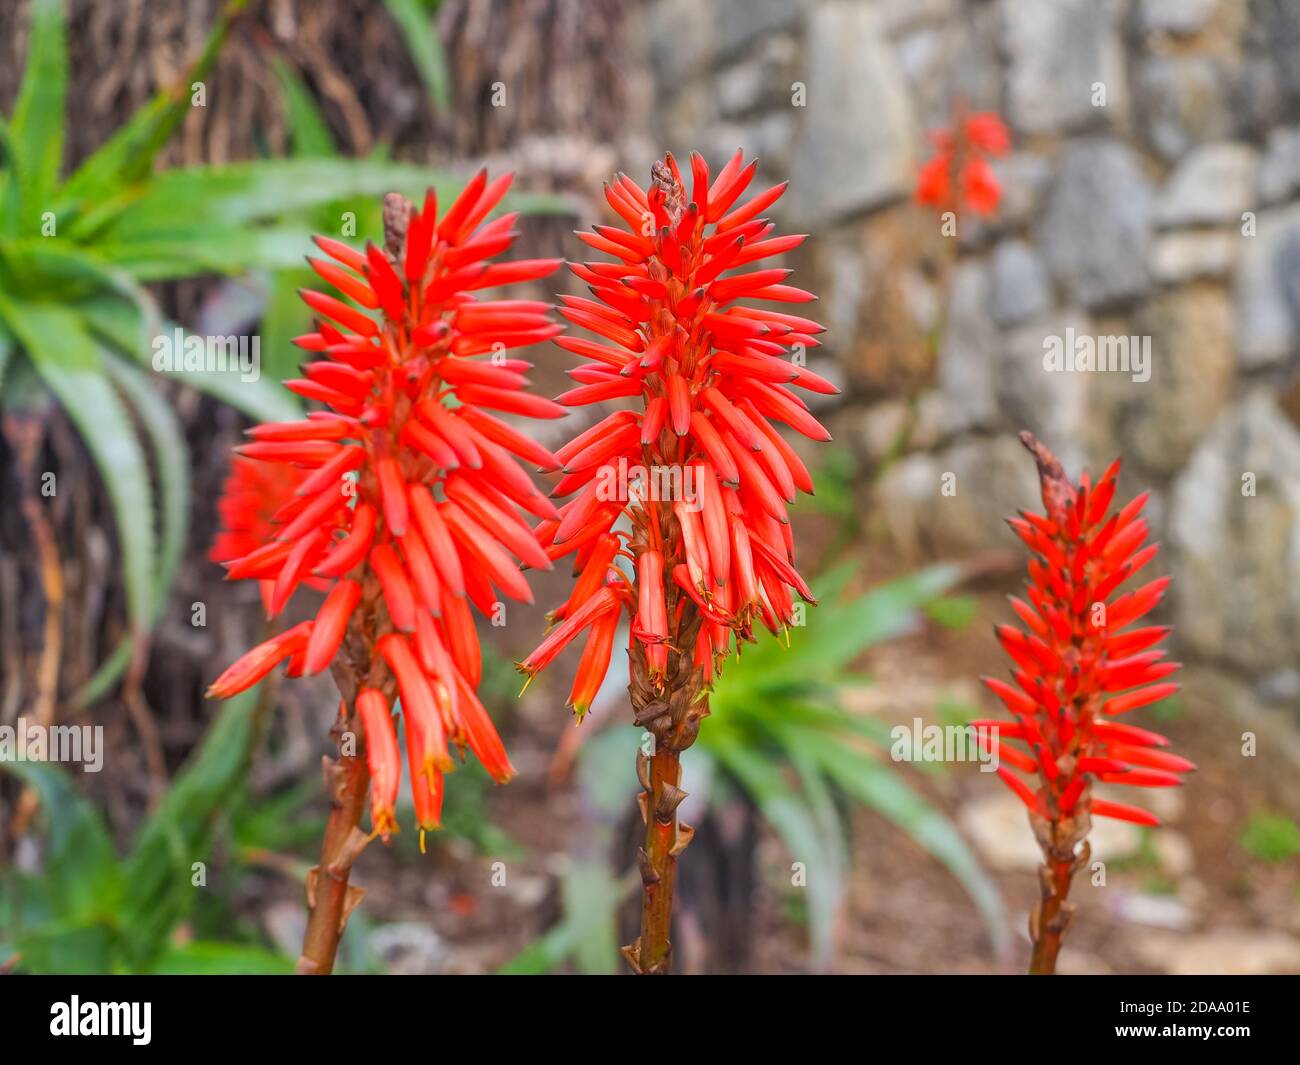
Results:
1080 666
405 505
711 373
252 493
959 176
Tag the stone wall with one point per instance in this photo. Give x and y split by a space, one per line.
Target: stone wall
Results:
1153 191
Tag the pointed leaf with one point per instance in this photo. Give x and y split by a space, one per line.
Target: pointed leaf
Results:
37 126
68 360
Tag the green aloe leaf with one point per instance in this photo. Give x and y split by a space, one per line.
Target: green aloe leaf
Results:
167 438
127 157
308 131
879 786
801 826
161 866
171 456
7 349
420 31
68 359
8 179
37 127
241 194
118 324
82 878
203 958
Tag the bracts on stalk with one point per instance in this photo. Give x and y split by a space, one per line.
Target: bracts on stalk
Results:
670 708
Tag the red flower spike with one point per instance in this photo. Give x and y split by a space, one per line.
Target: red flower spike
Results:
705 535
1075 658
958 176
405 488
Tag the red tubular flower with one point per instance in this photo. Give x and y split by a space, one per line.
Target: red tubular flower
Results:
405 485
707 532
252 493
958 175
712 374
1080 664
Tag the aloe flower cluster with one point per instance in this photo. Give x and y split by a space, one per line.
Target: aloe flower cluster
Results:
1080 667
705 375
403 497
711 376
959 175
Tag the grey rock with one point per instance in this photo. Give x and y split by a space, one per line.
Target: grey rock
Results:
995 823
680 38
1279 26
767 138
1221 951
1159 421
1183 100
1268 289
1212 183
1056 53
1155 911
991 477
1020 286
968 357
1024 177
898 16
409 948
1096 223
741 88
1052 404
1279 170
1182 17
285 923
1185 255
1279 688
1237 556
958 59
1256 94
742 22
855 147
842 268
762 79
920 56
880 428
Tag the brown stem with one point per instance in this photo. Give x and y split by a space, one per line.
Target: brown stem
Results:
1065 851
1050 918
659 862
330 899
672 717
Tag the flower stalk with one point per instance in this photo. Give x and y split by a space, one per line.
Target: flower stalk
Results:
1079 666
670 711
706 530
330 898
400 501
